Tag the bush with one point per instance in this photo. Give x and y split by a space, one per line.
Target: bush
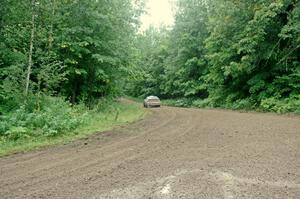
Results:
15 133
246 104
181 102
55 116
291 104
203 103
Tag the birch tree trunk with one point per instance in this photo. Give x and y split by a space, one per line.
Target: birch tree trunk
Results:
31 47
53 4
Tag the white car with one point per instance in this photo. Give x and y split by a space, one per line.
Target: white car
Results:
151 101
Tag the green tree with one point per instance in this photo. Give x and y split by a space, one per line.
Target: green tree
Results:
233 54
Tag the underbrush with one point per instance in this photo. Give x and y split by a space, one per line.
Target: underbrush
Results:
180 102
58 121
272 104
288 105
55 116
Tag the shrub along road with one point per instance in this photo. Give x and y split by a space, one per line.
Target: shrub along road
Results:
173 153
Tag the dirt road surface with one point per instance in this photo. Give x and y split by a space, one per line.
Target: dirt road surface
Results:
174 153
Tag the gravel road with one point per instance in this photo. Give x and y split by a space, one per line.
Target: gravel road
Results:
173 153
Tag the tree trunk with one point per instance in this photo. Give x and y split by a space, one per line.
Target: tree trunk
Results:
31 47
50 44
74 92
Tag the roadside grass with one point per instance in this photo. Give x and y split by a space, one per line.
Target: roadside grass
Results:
118 114
184 102
209 104
280 108
135 99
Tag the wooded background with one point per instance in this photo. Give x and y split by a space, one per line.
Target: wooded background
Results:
220 53
56 55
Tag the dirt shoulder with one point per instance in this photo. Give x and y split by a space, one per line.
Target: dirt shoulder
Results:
174 153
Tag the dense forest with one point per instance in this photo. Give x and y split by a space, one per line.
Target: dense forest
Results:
59 54
236 54
60 57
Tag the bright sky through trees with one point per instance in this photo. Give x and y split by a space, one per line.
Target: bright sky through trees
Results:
158 12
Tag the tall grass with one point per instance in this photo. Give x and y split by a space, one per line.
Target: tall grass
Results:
59 122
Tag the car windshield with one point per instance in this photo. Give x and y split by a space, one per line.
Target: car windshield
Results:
152 98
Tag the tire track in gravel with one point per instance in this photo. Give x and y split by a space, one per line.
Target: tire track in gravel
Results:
118 149
136 159
92 164
66 153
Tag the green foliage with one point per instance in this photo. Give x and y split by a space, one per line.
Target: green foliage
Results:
92 121
170 62
181 102
281 106
80 52
80 48
203 103
55 117
230 54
